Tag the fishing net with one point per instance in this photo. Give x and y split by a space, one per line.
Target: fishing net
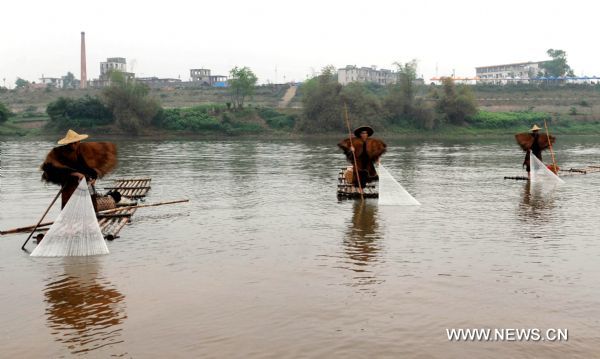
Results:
539 173
76 231
391 193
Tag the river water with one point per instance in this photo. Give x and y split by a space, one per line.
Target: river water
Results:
265 262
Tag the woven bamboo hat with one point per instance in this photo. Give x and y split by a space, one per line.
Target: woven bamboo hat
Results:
71 137
535 128
363 128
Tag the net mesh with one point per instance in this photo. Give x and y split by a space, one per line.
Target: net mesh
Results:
540 173
76 231
391 193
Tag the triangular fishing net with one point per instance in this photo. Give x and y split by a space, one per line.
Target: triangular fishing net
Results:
391 193
76 231
540 173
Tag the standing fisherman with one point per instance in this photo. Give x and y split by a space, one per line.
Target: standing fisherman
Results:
367 151
73 161
533 142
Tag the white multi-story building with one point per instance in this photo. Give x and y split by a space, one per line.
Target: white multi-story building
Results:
112 64
55 82
351 73
520 72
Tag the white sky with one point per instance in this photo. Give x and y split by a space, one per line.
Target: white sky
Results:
167 38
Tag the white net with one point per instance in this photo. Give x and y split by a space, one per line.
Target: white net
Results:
540 173
391 193
76 231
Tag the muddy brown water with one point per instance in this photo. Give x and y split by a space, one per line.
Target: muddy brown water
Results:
265 262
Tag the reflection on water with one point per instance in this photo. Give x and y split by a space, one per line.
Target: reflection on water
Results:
362 242
84 310
537 202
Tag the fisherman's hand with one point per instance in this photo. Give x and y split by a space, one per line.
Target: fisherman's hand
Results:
352 148
93 181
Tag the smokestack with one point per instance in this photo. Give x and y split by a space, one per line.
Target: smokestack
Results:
83 82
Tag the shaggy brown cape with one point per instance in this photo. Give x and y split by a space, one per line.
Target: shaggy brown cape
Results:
525 140
93 159
375 148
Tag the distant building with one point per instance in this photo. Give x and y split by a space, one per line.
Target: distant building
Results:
203 77
457 80
156 82
112 64
352 73
55 82
107 67
520 72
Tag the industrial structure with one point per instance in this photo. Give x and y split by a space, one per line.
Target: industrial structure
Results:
83 78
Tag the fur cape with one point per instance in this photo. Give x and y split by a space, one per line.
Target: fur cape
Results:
525 140
375 149
93 159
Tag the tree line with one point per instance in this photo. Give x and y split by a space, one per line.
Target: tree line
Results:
406 103
128 104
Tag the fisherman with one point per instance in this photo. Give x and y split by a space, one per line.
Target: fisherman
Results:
365 151
74 161
533 142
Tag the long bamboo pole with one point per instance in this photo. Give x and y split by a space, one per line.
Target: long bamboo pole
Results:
555 168
101 214
41 219
24 229
362 197
141 206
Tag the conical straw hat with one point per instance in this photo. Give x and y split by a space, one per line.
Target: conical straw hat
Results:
71 137
535 128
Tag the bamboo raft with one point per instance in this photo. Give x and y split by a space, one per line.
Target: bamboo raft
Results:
347 190
111 221
579 171
132 188
563 173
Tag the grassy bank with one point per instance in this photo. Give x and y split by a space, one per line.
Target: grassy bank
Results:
215 122
202 113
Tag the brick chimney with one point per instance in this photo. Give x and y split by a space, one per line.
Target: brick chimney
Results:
83 82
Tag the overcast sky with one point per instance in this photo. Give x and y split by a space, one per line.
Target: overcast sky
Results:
291 38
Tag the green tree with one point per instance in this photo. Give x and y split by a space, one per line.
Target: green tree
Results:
20 83
322 109
401 105
130 103
87 111
4 113
399 102
241 84
68 80
558 66
363 106
456 103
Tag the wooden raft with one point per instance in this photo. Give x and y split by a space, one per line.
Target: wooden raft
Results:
347 190
564 173
579 171
132 188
